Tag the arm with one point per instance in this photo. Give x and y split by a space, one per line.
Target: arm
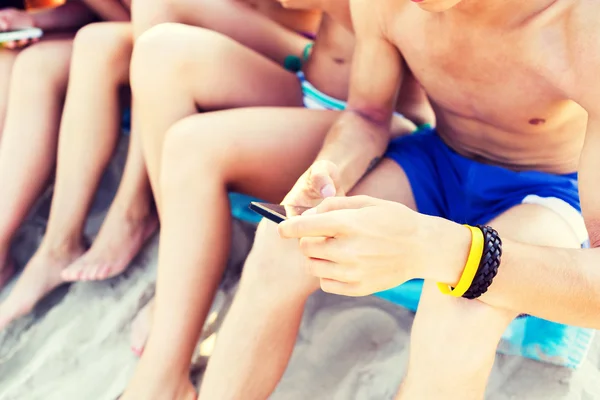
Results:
70 16
360 136
109 10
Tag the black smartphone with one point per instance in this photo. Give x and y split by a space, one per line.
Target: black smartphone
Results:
276 212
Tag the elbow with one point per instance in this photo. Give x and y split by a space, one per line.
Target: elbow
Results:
376 117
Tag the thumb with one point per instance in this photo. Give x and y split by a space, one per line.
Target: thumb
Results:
325 178
342 203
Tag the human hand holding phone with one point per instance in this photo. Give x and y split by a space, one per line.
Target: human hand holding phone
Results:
12 20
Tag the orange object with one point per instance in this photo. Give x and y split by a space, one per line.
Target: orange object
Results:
43 3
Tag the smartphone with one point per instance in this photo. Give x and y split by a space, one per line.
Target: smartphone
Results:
21 34
276 212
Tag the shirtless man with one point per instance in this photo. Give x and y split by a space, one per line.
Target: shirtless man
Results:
205 155
516 97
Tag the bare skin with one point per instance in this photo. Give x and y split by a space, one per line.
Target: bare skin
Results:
185 103
131 220
39 79
7 60
100 72
481 108
220 166
40 76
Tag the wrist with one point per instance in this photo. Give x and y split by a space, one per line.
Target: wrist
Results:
452 243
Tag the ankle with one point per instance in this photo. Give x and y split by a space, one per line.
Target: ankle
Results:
61 246
163 369
137 211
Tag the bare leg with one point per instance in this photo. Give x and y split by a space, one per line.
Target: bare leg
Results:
89 132
454 341
233 18
200 164
198 69
220 71
7 59
27 156
269 304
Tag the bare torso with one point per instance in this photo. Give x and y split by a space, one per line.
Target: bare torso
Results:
328 68
500 96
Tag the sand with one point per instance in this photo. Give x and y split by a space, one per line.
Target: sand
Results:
75 345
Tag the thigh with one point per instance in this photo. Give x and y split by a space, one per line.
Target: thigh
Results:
258 151
537 225
218 71
233 18
49 58
388 182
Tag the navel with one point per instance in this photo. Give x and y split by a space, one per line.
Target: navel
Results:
537 121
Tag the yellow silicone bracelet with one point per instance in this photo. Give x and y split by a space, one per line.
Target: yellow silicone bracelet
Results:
466 279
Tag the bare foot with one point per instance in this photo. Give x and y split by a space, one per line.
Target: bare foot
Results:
117 243
41 275
140 328
146 385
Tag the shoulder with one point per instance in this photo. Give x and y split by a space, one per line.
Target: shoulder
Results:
377 16
583 40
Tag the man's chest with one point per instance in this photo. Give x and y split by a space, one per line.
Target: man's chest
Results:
488 77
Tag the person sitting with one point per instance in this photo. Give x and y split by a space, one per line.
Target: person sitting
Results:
194 159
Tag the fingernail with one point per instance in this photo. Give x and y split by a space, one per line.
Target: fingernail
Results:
310 211
328 190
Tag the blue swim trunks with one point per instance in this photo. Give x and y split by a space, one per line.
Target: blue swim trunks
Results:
451 186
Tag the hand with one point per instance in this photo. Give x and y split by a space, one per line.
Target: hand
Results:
301 4
13 19
319 182
360 245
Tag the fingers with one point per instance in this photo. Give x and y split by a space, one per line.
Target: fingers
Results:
330 224
324 269
325 178
324 248
343 203
343 289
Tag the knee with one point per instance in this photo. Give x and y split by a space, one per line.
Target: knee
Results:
104 45
275 268
187 154
156 51
171 50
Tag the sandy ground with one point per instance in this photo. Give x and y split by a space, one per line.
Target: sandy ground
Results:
75 345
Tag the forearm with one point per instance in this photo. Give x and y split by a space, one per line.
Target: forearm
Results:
109 10
70 16
561 285
354 144
557 284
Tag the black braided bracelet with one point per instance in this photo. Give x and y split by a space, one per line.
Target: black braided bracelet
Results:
489 264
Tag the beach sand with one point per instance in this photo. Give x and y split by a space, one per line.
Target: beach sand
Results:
75 345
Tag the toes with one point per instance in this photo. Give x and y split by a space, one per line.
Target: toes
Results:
103 272
73 272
